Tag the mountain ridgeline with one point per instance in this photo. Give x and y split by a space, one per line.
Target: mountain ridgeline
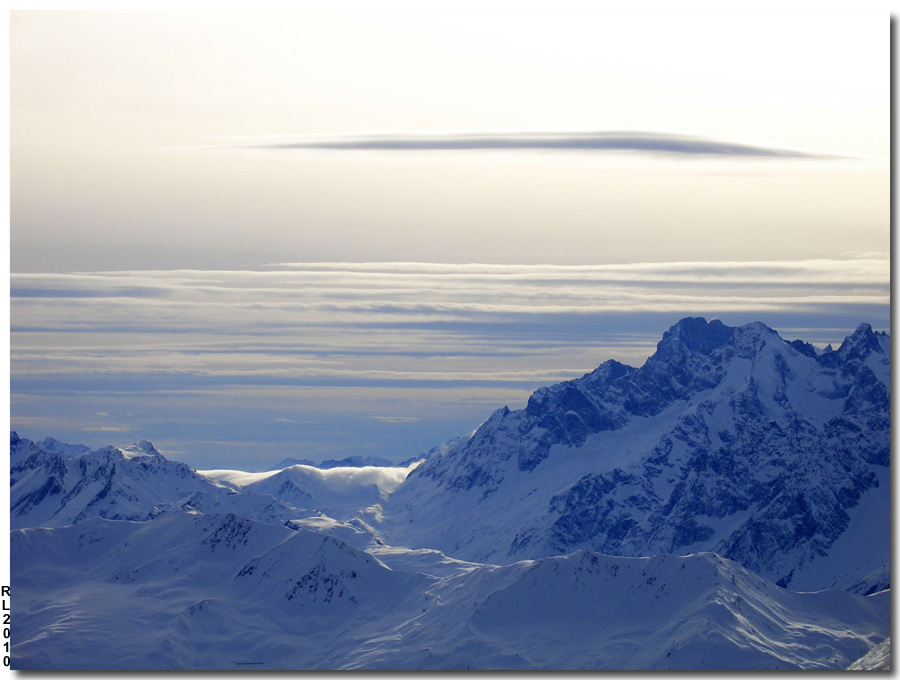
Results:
54 485
774 454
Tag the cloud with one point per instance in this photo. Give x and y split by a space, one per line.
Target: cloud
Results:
862 268
657 143
377 320
339 479
331 345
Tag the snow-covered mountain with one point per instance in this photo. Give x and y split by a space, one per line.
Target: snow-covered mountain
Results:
190 590
64 484
731 440
580 532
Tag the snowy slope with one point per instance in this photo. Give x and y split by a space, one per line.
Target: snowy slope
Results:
187 590
728 440
878 659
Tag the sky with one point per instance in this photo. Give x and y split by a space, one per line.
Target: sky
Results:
252 235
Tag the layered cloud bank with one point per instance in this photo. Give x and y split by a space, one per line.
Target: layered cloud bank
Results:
457 291
310 354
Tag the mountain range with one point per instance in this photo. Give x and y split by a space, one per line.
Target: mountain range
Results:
724 506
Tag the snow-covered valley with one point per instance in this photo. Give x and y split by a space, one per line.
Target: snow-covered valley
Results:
725 506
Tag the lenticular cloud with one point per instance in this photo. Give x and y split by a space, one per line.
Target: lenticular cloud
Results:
657 143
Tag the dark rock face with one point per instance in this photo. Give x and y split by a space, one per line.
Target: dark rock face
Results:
693 335
769 447
592 511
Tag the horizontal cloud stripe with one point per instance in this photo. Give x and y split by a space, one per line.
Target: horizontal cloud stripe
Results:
336 279
873 261
99 292
643 142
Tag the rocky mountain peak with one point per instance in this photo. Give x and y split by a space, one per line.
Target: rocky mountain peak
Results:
606 372
861 343
693 335
139 449
143 445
